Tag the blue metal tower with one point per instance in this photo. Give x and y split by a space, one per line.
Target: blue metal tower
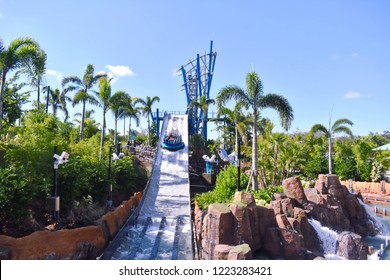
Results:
197 77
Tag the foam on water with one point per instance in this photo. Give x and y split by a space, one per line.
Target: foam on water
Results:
328 238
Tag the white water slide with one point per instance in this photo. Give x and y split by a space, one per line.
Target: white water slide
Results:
160 227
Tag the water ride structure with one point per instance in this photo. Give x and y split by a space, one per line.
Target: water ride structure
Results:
160 227
172 141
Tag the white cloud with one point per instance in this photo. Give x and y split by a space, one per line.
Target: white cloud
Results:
55 74
121 70
109 75
352 95
355 54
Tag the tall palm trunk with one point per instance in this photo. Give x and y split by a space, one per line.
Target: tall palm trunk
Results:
102 137
148 130
82 121
116 131
255 183
124 128
129 129
38 95
330 154
1 98
276 151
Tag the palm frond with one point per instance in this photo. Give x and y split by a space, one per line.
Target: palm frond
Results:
232 92
343 129
341 122
254 86
72 79
320 128
281 105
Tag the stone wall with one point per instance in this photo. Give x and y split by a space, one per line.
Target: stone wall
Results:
369 188
80 243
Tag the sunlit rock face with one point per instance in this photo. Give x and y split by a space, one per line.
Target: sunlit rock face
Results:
283 231
350 246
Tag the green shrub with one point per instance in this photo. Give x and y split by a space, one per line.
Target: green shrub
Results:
15 195
226 186
205 199
80 178
124 176
265 195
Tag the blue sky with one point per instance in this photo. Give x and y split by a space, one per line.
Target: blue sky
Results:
323 56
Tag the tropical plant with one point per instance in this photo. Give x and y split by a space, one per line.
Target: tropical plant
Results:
377 172
117 102
130 111
104 97
13 100
344 160
253 97
58 100
35 70
147 109
82 87
20 52
236 120
203 104
338 126
225 188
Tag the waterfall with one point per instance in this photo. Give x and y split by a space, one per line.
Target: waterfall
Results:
328 238
379 226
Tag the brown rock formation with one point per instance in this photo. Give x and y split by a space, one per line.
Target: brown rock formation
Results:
293 189
351 246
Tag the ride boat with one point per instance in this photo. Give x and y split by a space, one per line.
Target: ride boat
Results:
172 141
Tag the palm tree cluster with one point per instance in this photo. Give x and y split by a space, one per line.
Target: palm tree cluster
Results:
25 56
22 54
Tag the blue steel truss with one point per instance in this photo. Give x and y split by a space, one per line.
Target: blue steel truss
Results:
197 77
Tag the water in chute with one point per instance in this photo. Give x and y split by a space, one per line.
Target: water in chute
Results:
383 232
379 225
328 239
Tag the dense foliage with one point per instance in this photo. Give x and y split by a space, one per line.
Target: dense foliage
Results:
26 173
225 187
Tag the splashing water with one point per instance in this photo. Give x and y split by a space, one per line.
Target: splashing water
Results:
379 225
328 239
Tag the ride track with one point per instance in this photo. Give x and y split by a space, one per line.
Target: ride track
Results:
160 227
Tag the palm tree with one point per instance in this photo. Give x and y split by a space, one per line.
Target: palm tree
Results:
117 103
104 102
147 109
64 99
82 87
203 104
255 99
130 111
35 70
19 52
236 118
339 126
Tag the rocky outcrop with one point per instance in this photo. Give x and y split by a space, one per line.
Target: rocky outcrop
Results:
258 228
80 243
226 252
283 231
350 246
293 189
331 204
